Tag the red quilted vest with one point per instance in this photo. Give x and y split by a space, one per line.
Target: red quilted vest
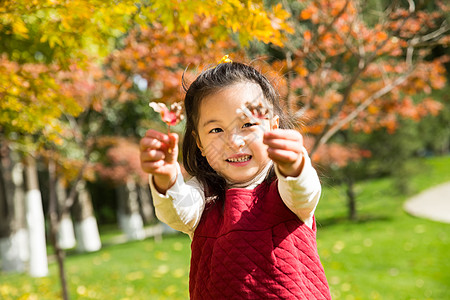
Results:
255 248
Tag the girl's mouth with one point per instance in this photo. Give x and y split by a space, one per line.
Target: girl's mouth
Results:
239 159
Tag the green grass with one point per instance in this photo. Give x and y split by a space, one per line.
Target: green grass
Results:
387 254
135 270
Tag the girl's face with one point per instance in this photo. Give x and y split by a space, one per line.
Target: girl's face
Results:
231 143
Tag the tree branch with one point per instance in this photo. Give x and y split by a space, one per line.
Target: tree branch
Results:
336 127
421 40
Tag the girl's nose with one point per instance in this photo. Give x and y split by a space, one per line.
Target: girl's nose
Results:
237 141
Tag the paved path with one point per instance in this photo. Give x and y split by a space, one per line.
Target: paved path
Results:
433 204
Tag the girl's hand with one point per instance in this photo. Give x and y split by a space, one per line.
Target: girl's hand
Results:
285 149
159 154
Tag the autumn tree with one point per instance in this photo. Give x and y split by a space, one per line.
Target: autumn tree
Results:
44 39
353 67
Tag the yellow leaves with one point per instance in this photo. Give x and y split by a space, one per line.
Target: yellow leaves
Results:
6 291
177 246
81 290
31 100
165 12
20 28
250 19
54 40
29 296
179 273
279 20
104 257
302 70
133 276
163 256
160 271
69 27
263 26
13 24
86 292
170 290
280 12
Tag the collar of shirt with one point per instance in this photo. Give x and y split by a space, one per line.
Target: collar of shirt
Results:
255 181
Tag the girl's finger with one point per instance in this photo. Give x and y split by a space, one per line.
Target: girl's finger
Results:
287 134
284 145
153 139
152 167
148 158
157 135
150 143
283 156
155 155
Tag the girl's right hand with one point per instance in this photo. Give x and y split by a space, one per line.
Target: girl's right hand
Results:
159 154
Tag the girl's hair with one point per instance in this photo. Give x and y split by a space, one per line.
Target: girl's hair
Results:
209 82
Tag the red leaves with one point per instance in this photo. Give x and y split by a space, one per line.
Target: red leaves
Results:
122 162
160 57
348 74
336 155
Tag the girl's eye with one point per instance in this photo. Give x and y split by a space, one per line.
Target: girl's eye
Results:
215 130
249 125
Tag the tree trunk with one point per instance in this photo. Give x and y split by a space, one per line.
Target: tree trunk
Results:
20 228
130 220
351 199
54 227
66 233
5 196
86 229
146 203
13 235
35 222
9 259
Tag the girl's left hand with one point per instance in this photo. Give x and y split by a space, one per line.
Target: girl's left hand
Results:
285 149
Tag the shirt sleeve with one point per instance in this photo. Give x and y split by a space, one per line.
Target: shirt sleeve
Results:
182 206
301 194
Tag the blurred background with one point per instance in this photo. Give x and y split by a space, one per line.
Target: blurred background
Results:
365 81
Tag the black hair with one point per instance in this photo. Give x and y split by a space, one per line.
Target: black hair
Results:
208 82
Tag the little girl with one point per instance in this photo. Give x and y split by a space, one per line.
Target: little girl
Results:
249 206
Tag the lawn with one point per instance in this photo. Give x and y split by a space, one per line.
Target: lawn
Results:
387 254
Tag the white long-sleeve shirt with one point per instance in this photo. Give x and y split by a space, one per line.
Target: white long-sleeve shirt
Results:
182 206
